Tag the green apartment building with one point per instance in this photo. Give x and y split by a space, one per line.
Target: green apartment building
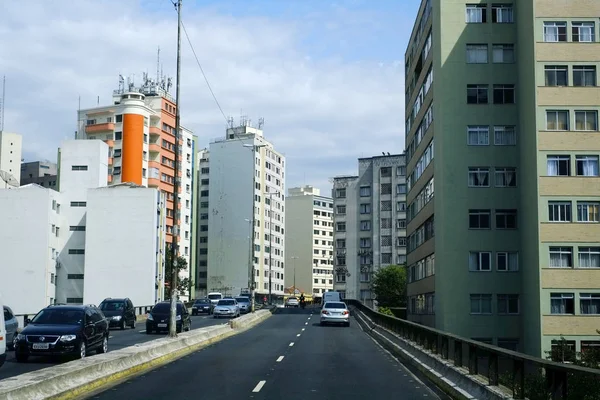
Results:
507 250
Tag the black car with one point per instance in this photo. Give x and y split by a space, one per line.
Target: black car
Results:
119 312
160 315
63 331
201 306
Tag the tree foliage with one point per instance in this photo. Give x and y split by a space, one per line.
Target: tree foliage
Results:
389 286
184 284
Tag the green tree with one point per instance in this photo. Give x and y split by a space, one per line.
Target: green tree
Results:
389 286
184 284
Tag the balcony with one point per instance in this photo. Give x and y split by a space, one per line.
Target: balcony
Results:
99 128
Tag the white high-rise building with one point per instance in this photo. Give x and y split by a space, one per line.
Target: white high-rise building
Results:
369 223
10 158
201 221
309 241
246 183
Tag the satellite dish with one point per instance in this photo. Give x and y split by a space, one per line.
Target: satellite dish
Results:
9 179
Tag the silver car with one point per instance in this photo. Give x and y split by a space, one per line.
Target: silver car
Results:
227 308
335 312
244 304
11 324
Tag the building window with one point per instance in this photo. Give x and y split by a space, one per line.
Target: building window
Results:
583 32
401 206
78 204
386 188
505 135
481 304
480 261
340 193
477 53
365 191
506 219
555 31
480 219
558 165
508 304
386 241
77 228
502 14
74 276
504 94
386 258
557 120
365 243
561 257
401 224
586 120
76 251
588 257
507 261
401 170
478 135
340 210
589 303
476 14
401 189
365 208
503 53
477 94
505 177
341 227
79 168
479 177
386 205
586 165
559 211
562 303
556 75
584 75
588 211
365 225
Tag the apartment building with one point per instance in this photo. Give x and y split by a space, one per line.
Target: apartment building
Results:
29 246
369 223
516 211
139 127
11 148
246 184
309 241
201 222
43 173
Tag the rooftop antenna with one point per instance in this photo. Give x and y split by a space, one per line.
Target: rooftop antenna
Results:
9 179
2 102
261 122
158 66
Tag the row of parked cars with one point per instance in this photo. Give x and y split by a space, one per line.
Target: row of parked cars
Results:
218 306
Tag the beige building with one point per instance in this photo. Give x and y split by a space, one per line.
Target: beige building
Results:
509 94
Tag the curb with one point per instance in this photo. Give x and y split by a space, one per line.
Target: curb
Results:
77 378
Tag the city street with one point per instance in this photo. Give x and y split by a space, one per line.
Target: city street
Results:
289 356
118 340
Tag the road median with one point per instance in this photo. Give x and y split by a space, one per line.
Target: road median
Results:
77 378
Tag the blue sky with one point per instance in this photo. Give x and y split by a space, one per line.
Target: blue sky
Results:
326 76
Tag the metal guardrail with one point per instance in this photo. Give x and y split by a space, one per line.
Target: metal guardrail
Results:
22 318
459 349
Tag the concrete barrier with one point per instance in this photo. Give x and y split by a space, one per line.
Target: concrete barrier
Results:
454 381
77 378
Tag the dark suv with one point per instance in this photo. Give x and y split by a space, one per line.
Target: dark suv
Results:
159 317
63 331
119 312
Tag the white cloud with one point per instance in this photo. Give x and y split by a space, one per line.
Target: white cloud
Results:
322 113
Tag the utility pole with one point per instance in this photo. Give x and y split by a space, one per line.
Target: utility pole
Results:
270 245
176 183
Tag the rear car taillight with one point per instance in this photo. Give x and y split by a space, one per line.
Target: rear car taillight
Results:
324 312
345 312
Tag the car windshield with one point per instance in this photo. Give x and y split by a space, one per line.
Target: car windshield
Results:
58 317
214 296
226 302
165 308
242 300
201 301
335 305
112 306
293 298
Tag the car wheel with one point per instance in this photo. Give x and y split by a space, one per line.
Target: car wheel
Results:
133 324
21 357
104 347
82 350
148 330
122 324
214 316
322 323
347 324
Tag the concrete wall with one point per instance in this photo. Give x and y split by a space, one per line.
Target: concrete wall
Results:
28 247
122 244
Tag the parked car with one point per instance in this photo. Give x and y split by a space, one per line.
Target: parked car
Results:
12 325
63 331
244 304
292 302
160 315
227 308
119 312
335 312
2 338
201 306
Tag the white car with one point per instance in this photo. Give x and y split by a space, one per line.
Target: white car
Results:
292 302
227 308
3 335
335 312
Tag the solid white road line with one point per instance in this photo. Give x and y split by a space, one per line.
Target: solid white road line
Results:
291 344
280 358
259 386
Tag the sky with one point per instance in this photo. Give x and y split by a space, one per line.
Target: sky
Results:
327 77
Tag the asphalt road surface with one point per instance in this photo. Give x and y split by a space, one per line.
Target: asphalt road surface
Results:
289 356
118 339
